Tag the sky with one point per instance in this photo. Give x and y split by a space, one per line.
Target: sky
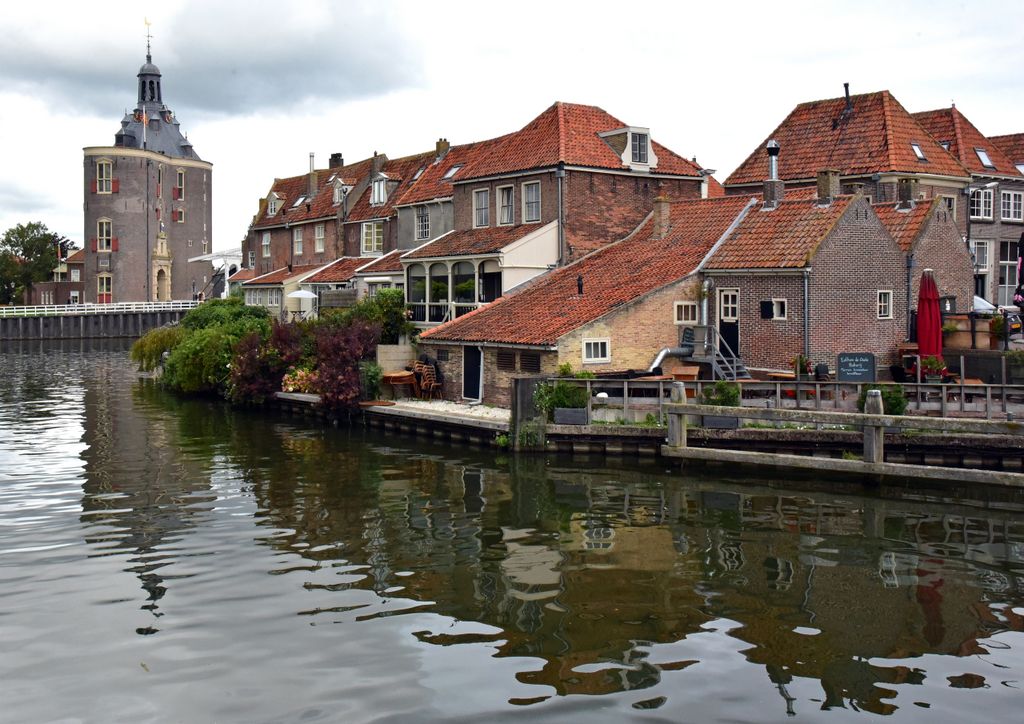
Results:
259 85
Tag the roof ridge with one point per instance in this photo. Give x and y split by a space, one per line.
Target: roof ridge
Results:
561 130
890 145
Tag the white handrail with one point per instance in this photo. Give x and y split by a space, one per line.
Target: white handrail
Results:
56 310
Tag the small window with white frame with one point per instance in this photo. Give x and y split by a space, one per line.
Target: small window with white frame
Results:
917 151
640 141
981 204
686 312
779 309
297 240
373 238
506 205
1012 206
179 185
885 304
597 351
318 238
76 275
265 246
252 259
104 235
980 252
481 208
379 191
949 202
104 177
272 205
422 222
531 202
983 157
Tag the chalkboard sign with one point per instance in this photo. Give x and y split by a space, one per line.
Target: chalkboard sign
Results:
856 367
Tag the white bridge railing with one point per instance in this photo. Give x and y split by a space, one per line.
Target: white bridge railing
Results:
63 310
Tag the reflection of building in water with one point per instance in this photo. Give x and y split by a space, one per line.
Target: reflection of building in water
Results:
136 479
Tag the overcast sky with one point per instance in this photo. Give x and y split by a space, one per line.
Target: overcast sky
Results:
259 85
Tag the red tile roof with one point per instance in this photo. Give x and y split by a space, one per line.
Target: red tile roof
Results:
339 270
949 125
402 170
550 307
242 275
715 188
433 184
279 276
785 237
1012 145
489 240
77 258
387 264
905 224
567 132
874 138
320 206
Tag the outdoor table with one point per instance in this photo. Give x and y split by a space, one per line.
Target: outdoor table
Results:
401 378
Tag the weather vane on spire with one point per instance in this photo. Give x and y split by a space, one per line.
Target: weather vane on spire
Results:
149 36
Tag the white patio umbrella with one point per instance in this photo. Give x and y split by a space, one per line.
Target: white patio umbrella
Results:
301 294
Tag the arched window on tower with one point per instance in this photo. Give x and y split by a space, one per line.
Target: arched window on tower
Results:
152 90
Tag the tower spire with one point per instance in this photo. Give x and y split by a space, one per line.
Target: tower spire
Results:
149 36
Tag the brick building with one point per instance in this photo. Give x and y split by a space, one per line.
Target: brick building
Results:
994 217
66 287
148 207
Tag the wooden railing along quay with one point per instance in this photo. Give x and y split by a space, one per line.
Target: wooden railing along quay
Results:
87 321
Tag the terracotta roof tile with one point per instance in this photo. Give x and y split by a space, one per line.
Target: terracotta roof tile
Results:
550 307
785 237
949 125
320 206
387 264
433 184
874 138
278 276
715 188
489 240
1012 145
77 258
400 169
339 270
567 132
905 224
242 275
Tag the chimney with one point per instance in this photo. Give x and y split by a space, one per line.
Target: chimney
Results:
311 188
662 217
774 189
828 185
906 193
579 284
442 148
849 104
378 162
337 160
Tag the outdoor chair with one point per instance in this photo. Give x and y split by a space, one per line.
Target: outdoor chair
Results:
429 386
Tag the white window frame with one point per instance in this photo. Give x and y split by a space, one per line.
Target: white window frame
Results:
525 188
776 304
983 156
593 347
74 297
272 206
982 262
104 235
318 239
481 208
75 274
104 176
884 300
981 210
916 147
950 202
180 183
640 148
180 216
686 313
265 245
379 191
1007 199
422 222
372 231
105 285
297 241
252 259
510 218
734 306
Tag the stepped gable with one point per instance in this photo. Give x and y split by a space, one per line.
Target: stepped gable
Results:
432 184
567 132
785 237
1012 145
340 270
904 225
488 240
950 126
402 170
551 306
322 204
874 136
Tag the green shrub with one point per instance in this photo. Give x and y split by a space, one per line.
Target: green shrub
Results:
565 370
148 350
370 376
549 395
387 310
723 394
222 311
201 362
894 402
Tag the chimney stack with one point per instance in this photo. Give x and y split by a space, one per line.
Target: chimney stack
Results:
337 160
579 284
906 192
774 189
828 185
441 148
378 162
311 187
846 92
662 217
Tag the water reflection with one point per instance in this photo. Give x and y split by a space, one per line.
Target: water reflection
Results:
428 582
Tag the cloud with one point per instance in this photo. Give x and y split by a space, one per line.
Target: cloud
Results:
225 58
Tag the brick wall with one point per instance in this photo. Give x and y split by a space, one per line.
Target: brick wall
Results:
940 247
497 384
462 200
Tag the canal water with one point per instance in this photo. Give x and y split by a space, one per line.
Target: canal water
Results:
176 560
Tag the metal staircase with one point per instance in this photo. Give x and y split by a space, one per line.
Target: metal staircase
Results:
709 347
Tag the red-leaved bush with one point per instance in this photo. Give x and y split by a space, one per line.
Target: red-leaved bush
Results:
259 365
339 350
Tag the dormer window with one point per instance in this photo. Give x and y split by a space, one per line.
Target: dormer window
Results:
298 201
273 204
639 148
339 192
419 172
379 191
450 173
983 157
918 152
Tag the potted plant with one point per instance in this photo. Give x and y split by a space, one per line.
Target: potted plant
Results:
801 367
723 394
932 368
996 327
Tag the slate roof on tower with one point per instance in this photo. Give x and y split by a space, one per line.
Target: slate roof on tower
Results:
875 135
950 127
550 307
566 132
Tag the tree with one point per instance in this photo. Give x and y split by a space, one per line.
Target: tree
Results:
28 254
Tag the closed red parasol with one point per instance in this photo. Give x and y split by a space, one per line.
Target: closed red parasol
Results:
929 321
